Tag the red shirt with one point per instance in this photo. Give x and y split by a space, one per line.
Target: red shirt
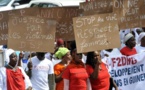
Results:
15 80
102 82
77 77
127 51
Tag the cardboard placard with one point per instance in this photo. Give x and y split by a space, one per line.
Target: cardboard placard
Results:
130 12
97 7
31 34
26 11
4 17
96 32
3 27
63 15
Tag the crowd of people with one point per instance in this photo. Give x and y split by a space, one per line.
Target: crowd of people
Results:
65 69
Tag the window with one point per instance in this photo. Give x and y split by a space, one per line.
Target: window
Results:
44 5
4 2
35 5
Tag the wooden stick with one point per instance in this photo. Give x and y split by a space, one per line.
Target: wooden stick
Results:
66 44
30 57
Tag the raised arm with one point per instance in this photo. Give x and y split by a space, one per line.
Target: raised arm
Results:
94 75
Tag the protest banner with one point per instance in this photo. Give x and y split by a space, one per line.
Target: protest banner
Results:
63 15
130 12
4 17
97 7
31 34
96 32
128 71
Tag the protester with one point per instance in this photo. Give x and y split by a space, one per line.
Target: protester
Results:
40 70
130 43
20 58
97 71
48 56
75 75
110 52
32 54
64 55
136 32
1 47
139 30
141 40
59 43
143 28
13 77
122 34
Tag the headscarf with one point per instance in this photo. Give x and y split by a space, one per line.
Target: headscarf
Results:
135 30
141 35
60 42
8 53
127 37
62 51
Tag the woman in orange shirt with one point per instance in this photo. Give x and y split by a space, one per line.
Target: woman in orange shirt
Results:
64 54
97 71
75 75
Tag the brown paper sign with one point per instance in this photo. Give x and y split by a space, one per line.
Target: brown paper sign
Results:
130 12
63 15
3 28
4 17
31 34
97 7
96 32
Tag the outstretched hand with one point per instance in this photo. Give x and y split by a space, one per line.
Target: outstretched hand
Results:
21 55
30 65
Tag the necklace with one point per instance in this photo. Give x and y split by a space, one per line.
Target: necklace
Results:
10 66
13 68
100 67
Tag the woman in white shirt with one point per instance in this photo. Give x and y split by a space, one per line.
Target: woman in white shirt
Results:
13 77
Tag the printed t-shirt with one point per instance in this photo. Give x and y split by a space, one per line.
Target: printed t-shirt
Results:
58 69
77 77
102 82
127 51
40 71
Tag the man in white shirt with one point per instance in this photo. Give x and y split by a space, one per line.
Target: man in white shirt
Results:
41 72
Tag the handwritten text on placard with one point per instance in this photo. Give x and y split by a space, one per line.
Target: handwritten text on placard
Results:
64 16
96 32
31 34
4 17
130 12
3 27
97 6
